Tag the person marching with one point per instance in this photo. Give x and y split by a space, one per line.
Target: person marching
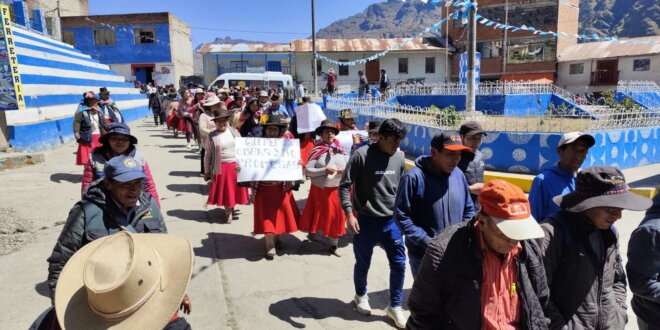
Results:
325 166
88 125
275 209
346 121
171 103
185 117
196 109
373 172
220 166
116 142
109 107
205 122
249 120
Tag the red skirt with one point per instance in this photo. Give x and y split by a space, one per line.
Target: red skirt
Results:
85 150
275 211
323 212
306 146
175 122
224 191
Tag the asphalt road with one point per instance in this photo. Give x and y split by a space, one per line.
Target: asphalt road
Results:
233 286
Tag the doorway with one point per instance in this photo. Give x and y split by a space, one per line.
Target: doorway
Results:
143 72
372 71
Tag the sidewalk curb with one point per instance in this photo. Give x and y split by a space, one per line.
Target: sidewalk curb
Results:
20 160
524 181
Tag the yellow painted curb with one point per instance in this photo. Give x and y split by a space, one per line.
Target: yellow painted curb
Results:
646 192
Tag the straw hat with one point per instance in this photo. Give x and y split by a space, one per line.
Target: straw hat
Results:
124 281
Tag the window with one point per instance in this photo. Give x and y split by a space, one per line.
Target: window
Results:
50 25
642 65
145 36
343 69
403 65
104 37
69 38
577 68
490 49
531 50
430 65
238 66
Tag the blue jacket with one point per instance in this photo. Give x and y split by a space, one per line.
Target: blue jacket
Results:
552 182
644 266
427 202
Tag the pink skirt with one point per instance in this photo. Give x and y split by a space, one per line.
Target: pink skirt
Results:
85 150
225 191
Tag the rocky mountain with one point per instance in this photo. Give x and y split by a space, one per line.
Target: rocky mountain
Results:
395 18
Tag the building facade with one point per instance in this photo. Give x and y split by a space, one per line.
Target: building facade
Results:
149 48
418 60
244 57
520 55
599 66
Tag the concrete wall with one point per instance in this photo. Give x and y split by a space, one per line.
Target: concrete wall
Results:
575 83
181 48
54 76
531 153
390 62
67 7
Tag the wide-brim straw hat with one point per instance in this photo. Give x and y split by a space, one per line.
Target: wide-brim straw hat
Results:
124 281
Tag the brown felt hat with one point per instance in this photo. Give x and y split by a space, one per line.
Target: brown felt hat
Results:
326 123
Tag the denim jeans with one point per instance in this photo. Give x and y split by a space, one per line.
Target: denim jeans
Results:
387 233
290 107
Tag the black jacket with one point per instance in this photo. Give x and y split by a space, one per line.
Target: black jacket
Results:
447 291
472 164
587 291
95 216
644 266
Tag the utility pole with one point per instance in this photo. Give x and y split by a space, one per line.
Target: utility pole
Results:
470 95
505 47
314 64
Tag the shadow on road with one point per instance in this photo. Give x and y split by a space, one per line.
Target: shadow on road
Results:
68 177
164 135
188 188
42 289
180 151
225 246
323 308
197 156
173 146
186 174
216 215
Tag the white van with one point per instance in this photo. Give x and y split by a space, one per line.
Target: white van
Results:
264 79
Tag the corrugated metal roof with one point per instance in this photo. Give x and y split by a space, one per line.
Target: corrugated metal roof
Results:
358 45
608 49
244 48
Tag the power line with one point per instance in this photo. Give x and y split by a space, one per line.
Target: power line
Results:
248 31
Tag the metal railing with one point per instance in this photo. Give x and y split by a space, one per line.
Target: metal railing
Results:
484 88
599 118
625 86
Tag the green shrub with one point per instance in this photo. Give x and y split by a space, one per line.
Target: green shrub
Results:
447 116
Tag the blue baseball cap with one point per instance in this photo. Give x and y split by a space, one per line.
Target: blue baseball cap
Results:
124 169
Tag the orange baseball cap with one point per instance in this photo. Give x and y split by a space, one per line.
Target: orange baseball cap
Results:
449 141
508 206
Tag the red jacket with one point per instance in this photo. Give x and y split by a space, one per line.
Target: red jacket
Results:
94 170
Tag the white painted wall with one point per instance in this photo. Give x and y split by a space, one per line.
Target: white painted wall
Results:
576 83
390 62
122 70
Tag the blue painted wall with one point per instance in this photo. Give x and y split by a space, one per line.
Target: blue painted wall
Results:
53 133
512 105
125 50
645 99
531 153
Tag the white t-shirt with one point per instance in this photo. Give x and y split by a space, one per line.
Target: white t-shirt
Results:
228 147
95 123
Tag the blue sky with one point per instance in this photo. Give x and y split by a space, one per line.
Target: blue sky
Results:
271 21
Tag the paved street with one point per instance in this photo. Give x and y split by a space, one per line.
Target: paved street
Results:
233 286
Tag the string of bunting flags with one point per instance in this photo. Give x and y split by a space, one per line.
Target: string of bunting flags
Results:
123 29
462 14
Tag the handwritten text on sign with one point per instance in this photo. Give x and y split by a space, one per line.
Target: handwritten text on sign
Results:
262 159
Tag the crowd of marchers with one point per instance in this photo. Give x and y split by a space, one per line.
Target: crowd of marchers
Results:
483 255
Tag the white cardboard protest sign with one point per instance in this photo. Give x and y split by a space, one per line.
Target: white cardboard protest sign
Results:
310 116
263 159
345 138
